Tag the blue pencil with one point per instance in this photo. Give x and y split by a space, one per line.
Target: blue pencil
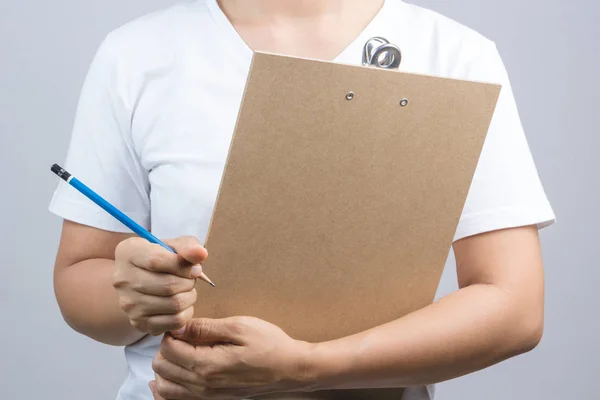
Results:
112 210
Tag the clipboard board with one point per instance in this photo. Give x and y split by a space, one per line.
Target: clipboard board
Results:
341 195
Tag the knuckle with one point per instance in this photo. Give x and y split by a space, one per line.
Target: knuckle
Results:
151 327
180 319
124 247
209 377
161 389
238 324
178 302
117 278
155 260
126 304
136 313
156 365
139 325
137 286
189 284
171 285
197 368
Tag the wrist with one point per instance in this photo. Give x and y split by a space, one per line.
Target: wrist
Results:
315 369
304 375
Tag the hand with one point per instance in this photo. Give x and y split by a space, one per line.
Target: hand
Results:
156 287
230 358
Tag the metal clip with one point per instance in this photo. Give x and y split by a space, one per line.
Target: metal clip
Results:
379 52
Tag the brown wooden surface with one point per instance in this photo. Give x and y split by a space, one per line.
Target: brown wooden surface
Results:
336 216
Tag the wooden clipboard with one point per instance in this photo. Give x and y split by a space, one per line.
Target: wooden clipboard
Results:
336 211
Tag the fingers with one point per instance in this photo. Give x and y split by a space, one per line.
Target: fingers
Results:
179 352
155 258
155 394
159 284
211 368
171 390
155 305
189 248
193 357
160 311
173 372
208 393
159 324
155 287
205 330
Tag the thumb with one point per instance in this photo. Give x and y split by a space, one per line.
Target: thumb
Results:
206 330
189 248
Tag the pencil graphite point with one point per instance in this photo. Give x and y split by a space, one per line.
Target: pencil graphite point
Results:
207 280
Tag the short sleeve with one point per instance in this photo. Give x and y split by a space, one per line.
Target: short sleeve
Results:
101 152
506 190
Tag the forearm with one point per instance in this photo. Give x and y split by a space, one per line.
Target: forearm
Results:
467 331
89 303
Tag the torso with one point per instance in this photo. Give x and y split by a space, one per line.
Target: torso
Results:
187 70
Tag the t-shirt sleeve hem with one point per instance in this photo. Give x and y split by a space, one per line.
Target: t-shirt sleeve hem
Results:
94 216
481 222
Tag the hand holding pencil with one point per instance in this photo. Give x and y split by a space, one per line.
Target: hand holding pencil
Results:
155 281
156 288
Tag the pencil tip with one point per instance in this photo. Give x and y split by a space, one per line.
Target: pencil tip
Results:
207 280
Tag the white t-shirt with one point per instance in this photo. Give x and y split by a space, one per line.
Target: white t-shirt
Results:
158 109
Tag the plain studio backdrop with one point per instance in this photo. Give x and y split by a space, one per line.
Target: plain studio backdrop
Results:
552 51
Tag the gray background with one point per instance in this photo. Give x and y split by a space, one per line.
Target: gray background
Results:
551 49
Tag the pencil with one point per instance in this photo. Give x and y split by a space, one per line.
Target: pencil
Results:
115 212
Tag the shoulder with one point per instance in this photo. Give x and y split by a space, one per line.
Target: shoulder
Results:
154 39
151 49
450 47
157 27
437 24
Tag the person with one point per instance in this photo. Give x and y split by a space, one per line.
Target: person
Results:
152 130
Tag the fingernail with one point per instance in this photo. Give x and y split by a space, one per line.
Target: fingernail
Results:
196 271
179 332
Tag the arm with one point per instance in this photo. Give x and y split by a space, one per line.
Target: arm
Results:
109 283
83 284
155 289
496 314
